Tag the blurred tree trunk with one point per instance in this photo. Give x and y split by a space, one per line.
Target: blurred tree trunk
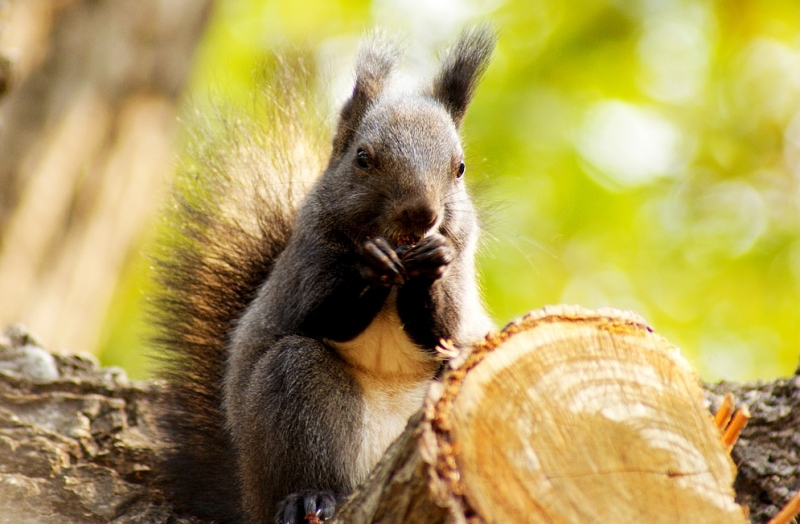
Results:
87 122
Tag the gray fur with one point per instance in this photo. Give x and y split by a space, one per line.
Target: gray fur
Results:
377 268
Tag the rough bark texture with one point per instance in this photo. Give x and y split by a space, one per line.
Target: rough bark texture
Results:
768 451
78 444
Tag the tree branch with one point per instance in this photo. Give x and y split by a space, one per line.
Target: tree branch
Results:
543 419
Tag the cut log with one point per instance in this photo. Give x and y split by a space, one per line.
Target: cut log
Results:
566 416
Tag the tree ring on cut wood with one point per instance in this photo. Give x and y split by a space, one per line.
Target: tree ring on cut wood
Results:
570 415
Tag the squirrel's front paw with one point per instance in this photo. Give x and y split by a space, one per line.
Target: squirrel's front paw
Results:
381 265
429 258
302 507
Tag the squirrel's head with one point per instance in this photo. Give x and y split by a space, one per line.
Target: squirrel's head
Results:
397 163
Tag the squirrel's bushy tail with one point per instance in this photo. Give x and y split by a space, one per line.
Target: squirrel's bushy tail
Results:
229 217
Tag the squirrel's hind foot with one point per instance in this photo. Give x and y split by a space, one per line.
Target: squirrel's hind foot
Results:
298 508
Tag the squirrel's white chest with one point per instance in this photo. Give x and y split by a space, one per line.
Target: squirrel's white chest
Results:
393 373
384 348
386 413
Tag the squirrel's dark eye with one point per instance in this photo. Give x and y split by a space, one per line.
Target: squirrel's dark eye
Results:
461 169
362 159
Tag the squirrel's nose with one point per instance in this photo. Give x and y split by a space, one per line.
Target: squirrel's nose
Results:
417 219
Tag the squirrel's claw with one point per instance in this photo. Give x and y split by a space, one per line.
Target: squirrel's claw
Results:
381 264
429 258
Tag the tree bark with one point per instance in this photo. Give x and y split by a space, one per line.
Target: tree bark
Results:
567 415
77 443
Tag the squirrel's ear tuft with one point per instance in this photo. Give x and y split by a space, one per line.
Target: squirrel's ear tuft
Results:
462 67
377 57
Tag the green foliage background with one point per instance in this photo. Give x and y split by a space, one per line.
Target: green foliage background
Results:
636 154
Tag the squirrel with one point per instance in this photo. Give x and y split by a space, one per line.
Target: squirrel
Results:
300 339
